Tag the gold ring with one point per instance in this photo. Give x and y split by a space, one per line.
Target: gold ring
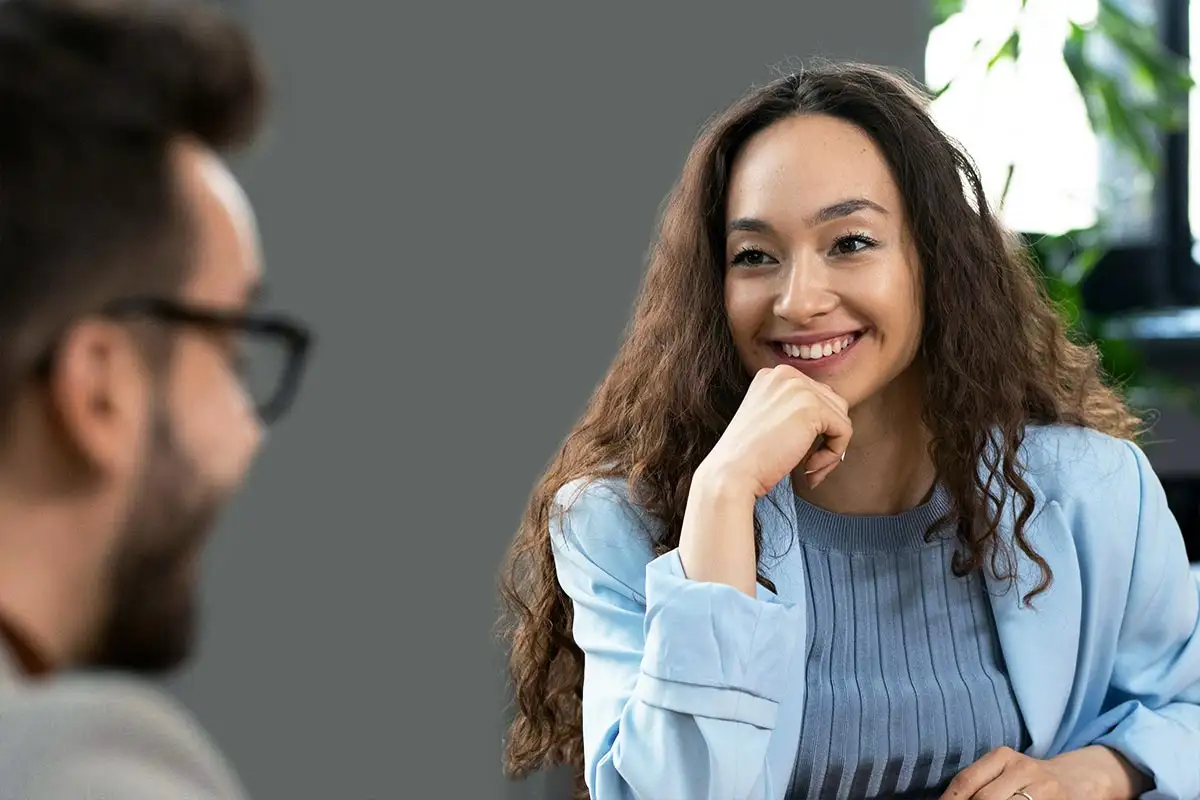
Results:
1023 793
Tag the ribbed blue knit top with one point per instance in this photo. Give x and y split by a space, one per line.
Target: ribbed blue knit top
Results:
906 683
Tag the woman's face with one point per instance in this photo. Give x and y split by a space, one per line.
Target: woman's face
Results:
820 269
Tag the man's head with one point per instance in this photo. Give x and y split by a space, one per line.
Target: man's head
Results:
134 375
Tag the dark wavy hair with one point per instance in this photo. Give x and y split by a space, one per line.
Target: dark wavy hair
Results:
997 357
93 94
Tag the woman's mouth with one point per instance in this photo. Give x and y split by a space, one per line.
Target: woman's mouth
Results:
817 354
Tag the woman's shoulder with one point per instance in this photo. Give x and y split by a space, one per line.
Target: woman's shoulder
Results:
1073 449
592 489
1072 465
597 518
599 498
1104 496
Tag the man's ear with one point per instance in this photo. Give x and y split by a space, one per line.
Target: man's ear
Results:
98 392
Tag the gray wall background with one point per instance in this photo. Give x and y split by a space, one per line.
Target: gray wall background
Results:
459 197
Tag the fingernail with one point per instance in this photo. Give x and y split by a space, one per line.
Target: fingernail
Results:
843 455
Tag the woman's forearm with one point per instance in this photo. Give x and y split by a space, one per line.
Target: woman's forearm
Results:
717 541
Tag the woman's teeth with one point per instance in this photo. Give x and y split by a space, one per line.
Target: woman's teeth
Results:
811 352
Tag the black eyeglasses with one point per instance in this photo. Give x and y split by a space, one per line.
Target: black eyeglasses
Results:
269 354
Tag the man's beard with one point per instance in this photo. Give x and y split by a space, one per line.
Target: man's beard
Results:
151 619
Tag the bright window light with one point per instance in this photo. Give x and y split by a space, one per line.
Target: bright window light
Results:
1028 114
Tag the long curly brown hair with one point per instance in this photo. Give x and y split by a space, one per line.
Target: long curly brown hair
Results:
997 357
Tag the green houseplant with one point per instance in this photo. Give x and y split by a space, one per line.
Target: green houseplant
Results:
1134 91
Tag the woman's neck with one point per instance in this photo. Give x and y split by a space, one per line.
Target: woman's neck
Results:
888 468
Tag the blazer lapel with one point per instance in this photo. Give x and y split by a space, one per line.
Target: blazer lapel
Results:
1040 642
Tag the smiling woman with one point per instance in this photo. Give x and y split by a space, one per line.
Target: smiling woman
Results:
823 275
791 547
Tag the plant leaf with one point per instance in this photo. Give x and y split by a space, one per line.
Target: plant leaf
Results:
945 9
1009 51
1138 43
1082 71
1008 179
1121 360
1123 126
1081 265
1170 76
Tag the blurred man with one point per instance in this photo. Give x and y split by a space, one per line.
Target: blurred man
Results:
135 380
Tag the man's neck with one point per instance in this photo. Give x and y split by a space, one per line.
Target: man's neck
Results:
27 657
48 588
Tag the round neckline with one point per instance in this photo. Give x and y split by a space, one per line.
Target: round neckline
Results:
869 533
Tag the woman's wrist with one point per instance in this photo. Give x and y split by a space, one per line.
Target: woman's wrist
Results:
716 544
714 484
1114 777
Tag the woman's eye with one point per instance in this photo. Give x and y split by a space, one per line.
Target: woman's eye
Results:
752 257
849 245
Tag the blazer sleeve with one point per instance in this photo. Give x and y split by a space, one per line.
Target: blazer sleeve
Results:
1154 695
682 679
87 739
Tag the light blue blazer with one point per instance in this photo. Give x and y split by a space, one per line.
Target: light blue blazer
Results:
695 690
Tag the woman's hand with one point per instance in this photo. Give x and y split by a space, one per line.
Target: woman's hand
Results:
784 415
786 419
1091 773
